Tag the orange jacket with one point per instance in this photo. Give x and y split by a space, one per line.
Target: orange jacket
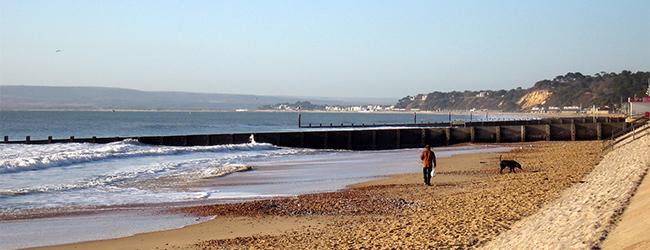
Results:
428 158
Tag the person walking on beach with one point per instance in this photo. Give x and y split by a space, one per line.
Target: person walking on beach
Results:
428 158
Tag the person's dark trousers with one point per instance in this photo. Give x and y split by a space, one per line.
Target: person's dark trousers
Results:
427 175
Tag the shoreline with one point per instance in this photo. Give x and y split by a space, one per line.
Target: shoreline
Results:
374 204
443 112
469 206
383 179
290 111
454 112
376 163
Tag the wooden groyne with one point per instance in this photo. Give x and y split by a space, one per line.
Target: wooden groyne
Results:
374 137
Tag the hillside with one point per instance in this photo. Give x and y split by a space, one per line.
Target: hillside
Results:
97 98
573 89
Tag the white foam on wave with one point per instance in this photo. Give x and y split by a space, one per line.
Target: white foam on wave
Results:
177 171
202 195
93 181
26 157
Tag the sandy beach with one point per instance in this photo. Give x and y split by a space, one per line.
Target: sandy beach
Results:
469 206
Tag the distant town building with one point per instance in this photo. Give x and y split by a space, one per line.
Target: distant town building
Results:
599 111
483 94
571 110
553 109
537 110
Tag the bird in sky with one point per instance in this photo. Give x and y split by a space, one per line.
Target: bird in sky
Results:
57 51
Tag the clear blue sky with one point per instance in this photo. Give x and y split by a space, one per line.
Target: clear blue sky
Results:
318 48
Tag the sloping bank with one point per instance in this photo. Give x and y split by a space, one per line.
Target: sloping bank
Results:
587 212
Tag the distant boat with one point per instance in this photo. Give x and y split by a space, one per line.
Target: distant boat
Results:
241 110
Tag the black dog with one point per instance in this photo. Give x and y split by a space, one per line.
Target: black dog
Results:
509 164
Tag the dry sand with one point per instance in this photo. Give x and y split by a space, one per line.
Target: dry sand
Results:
469 205
586 212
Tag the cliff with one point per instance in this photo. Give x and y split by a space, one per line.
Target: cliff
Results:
604 90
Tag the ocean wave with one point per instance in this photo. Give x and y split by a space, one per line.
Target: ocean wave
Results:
26 157
154 176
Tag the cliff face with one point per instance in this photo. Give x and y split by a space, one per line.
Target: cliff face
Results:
534 99
572 89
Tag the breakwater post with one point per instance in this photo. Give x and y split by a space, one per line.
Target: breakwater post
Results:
409 136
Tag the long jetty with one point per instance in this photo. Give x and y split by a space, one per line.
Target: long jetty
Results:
378 137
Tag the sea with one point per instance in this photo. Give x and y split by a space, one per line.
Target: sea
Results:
125 184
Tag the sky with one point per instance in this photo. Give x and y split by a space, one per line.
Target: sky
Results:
382 49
